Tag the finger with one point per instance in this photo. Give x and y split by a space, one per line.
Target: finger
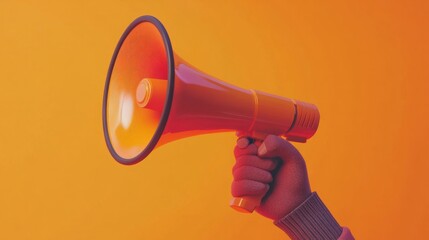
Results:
243 142
267 164
275 146
252 173
251 149
248 188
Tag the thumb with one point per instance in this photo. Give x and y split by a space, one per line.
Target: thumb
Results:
275 146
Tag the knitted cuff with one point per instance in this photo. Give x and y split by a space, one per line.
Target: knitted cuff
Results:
310 220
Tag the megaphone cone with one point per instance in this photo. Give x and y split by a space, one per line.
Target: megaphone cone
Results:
153 97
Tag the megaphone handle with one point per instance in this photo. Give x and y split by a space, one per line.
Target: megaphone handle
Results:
247 204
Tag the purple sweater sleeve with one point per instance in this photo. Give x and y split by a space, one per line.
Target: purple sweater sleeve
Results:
312 220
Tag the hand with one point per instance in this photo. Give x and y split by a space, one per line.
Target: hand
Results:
275 169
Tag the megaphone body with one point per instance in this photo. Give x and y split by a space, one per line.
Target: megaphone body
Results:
153 97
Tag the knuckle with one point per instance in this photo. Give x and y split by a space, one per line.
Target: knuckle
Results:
240 172
247 187
244 159
252 173
234 189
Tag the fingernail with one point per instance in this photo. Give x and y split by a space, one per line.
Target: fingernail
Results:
262 149
242 142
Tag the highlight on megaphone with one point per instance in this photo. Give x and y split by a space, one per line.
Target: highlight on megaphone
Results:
152 97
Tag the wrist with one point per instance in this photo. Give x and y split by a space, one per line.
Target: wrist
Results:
310 220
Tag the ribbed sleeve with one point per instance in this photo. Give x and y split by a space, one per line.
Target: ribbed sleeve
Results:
310 220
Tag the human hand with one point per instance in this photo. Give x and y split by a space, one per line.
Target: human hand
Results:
273 168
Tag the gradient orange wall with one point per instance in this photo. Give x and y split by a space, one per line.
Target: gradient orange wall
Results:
365 64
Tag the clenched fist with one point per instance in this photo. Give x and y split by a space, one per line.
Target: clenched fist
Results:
273 169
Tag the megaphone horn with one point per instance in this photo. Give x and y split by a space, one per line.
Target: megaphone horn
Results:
153 97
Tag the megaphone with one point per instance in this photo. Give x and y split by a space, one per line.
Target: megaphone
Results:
153 97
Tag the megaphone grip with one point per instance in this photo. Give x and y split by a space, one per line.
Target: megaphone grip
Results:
246 204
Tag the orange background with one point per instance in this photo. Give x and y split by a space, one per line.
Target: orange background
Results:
364 64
